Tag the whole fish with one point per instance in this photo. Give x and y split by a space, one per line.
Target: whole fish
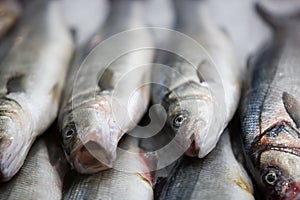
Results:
9 13
270 112
108 94
134 182
41 176
200 89
31 79
217 176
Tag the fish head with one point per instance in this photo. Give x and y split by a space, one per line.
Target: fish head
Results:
276 162
88 140
15 137
190 120
279 175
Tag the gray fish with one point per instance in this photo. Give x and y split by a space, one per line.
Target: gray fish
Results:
134 182
41 176
9 13
31 80
107 96
217 176
200 91
110 184
270 115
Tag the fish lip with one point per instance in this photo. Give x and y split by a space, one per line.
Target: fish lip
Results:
11 165
99 160
293 191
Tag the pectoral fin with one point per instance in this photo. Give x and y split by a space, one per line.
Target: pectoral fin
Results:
292 106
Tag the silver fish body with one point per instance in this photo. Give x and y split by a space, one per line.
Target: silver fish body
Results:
110 184
217 176
270 111
107 96
31 80
41 176
201 89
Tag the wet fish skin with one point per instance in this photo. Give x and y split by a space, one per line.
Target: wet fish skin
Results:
269 117
198 86
217 176
110 184
41 176
9 13
31 80
88 116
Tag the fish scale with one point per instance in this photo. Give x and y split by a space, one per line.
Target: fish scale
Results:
217 176
270 112
39 178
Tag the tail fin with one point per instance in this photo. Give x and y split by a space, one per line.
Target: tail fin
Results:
280 15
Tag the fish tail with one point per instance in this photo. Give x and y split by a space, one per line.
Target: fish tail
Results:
286 18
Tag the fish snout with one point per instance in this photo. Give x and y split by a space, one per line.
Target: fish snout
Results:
293 191
199 138
94 153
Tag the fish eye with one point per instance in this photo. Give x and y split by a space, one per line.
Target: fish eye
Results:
179 119
70 131
271 177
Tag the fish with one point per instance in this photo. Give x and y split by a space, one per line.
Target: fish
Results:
10 11
217 176
110 184
41 176
131 180
109 92
200 88
31 80
269 111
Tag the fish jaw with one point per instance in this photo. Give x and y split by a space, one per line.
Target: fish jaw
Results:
16 137
14 146
95 152
196 137
284 163
293 192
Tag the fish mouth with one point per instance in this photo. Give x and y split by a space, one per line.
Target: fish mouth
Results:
291 193
12 156
92 154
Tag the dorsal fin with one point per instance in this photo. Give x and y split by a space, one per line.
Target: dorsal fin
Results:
292 107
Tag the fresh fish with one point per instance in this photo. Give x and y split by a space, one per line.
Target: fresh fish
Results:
270 111
135 183
9 13
107 98
217 176
199 91
41 176
31 79
108 94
